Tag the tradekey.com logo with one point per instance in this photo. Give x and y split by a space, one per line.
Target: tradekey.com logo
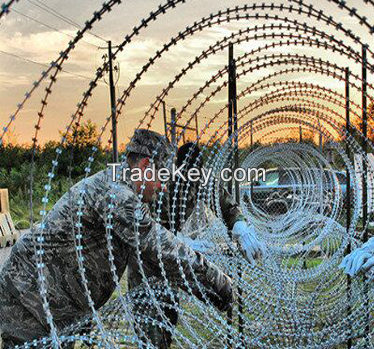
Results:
202 175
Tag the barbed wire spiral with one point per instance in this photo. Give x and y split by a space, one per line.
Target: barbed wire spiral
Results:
301 77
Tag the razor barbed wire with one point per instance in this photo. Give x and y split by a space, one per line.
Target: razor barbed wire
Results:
287 304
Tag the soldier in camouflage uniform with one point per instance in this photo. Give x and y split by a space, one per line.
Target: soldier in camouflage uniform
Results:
185 202
187 213
22 317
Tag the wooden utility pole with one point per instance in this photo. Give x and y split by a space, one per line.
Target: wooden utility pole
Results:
113 104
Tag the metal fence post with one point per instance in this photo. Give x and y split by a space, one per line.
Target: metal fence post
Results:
364 183
348 196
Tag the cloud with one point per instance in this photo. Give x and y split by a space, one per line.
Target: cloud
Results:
32 41
45 47
7 79
41 47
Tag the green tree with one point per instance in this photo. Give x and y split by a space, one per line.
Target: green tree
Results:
16 166
78 148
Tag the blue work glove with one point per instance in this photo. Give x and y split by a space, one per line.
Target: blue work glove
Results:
251 247
360 259
198 245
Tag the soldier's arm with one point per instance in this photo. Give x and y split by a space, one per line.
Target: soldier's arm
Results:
133 223
231 211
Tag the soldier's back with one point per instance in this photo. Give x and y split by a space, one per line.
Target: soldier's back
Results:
65 289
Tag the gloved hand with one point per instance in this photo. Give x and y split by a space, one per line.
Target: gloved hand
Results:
198 245
361 258
246 235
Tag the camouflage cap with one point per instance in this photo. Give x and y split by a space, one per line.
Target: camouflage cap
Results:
146 142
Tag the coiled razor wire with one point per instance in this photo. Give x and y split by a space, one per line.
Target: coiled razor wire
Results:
296 297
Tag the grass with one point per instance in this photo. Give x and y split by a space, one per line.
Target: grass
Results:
275 339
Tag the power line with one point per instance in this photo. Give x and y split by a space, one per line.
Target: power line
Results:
62 17
50 27
59 16
57 13
42 64
48 66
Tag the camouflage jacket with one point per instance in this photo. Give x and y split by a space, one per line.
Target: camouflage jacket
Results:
65 290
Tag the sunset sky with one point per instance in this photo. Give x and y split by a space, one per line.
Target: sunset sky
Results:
32 36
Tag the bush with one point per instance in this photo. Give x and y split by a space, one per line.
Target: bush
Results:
19 167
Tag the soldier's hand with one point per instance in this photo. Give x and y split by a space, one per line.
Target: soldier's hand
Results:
360 259
250 245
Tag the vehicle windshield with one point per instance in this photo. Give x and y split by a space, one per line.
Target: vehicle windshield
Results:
272 178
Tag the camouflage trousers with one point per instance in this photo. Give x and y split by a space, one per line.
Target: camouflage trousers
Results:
145 311
18 325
